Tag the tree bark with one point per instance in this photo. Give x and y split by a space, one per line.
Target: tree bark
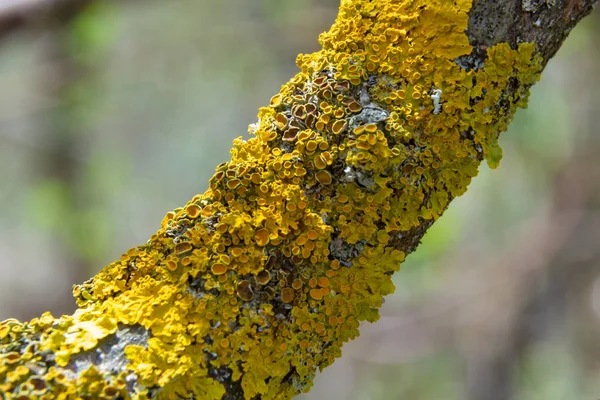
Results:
255 284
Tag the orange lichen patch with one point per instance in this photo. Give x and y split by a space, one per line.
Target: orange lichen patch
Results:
311 146
324 177
305 135
11 358
320 328
298 111
287 295
193 211
320 162
244 291
359 130
291 134
218 268
338 127
310 108
111 391
304 344
335 264
301 240
323 282
262 237
297 284
38 385
233 183
171 265
316 294
225 259
183 247
281 121
339 113
263 277
237 251
371 128
276 100
354 107
207 211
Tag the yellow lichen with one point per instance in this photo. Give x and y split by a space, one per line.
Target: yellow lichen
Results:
262 278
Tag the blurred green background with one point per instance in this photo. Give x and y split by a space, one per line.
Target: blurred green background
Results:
117 112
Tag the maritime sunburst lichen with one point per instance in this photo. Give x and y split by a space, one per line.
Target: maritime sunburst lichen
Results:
256 283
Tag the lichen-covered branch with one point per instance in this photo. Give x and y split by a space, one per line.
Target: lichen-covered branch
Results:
254 285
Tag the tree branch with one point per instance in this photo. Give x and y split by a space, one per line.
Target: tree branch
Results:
479 308
255 284
16 15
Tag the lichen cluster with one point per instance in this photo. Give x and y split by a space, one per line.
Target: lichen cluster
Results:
256 284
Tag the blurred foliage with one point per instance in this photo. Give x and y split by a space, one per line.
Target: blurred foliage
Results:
93 33
141 104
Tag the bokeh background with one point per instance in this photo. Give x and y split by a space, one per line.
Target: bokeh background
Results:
114 112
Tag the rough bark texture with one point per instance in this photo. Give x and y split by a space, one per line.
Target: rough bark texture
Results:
543 22
254 285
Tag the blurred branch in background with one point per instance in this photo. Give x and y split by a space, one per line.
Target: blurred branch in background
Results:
33 14
63 79
69 47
